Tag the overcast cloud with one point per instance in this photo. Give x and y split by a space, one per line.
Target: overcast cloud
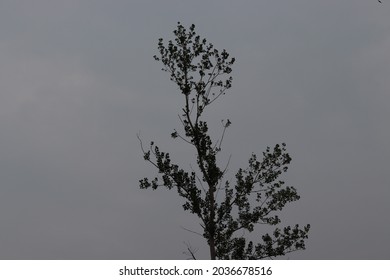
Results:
78 81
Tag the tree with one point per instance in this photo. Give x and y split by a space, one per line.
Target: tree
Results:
202 74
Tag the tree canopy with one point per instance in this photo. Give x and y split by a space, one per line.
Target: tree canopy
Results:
225 209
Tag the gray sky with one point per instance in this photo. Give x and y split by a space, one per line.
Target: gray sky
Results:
78 81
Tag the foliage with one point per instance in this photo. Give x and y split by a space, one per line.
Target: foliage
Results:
202 74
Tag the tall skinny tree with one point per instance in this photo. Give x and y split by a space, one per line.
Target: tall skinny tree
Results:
201 73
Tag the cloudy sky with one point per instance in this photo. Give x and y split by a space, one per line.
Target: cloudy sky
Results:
78 82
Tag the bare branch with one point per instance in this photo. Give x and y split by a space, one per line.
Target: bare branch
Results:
191 231
191 252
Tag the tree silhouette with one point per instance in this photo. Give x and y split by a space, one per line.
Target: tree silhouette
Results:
202 74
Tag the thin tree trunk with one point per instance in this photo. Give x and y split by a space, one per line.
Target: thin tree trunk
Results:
212 249
212 225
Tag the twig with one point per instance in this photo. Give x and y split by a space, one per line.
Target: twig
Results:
191 231
190 251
